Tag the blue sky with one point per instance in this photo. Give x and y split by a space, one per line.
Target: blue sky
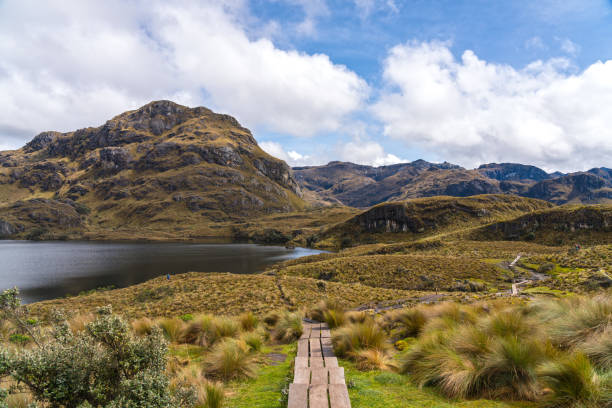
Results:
369 81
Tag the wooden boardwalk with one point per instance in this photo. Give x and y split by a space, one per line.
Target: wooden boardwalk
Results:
318 381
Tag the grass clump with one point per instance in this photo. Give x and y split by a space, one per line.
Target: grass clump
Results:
288 328
248 321
230 359
353 338
171 327
572 382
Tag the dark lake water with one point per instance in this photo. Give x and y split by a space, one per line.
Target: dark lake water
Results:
46 270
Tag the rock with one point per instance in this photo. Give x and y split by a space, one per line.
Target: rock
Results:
41 141
7 229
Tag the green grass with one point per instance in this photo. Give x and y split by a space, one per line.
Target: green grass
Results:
263 391
378 389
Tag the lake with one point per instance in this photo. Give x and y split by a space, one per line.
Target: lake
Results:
50 269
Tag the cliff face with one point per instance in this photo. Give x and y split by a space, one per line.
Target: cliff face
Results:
563 225
163 163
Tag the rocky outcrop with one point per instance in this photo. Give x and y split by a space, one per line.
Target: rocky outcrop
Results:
8 230
513 172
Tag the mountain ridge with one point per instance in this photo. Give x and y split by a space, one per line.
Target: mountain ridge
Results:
363 186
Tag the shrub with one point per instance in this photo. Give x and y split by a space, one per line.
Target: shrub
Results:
230 359
19 338
248 321
186 317
350 339
288 328
573 382
103 365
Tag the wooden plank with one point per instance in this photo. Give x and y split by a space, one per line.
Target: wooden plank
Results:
302 350
301 362
324 326
315 333
336 375
302 376
338 396
305 333
326 341
315 348
318 396
316 362
319 376
330 362
298 396
327 351
325 333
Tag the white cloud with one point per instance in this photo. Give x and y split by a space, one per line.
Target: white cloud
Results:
367 7
292 157
569 47
535 43
367 152
313 10
471 111
71 64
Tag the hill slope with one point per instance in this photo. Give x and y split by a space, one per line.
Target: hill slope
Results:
163 166
422 217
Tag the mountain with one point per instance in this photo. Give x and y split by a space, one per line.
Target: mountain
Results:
363 186
161 167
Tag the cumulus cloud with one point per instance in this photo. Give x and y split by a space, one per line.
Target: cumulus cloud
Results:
71 64
292 157
472 111
367 152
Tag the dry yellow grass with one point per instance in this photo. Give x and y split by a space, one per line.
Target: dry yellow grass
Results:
219 293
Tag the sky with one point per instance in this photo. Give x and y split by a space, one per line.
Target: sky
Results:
368 81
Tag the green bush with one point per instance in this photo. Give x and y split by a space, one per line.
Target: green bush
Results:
104 365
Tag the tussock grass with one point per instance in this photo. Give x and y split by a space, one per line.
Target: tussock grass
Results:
288 328
253 340
599 349
172 328
572 382
230 359
248 321
143 326
352 338
374 359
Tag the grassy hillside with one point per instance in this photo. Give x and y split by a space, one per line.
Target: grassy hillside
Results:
423 217
560 225
221 293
